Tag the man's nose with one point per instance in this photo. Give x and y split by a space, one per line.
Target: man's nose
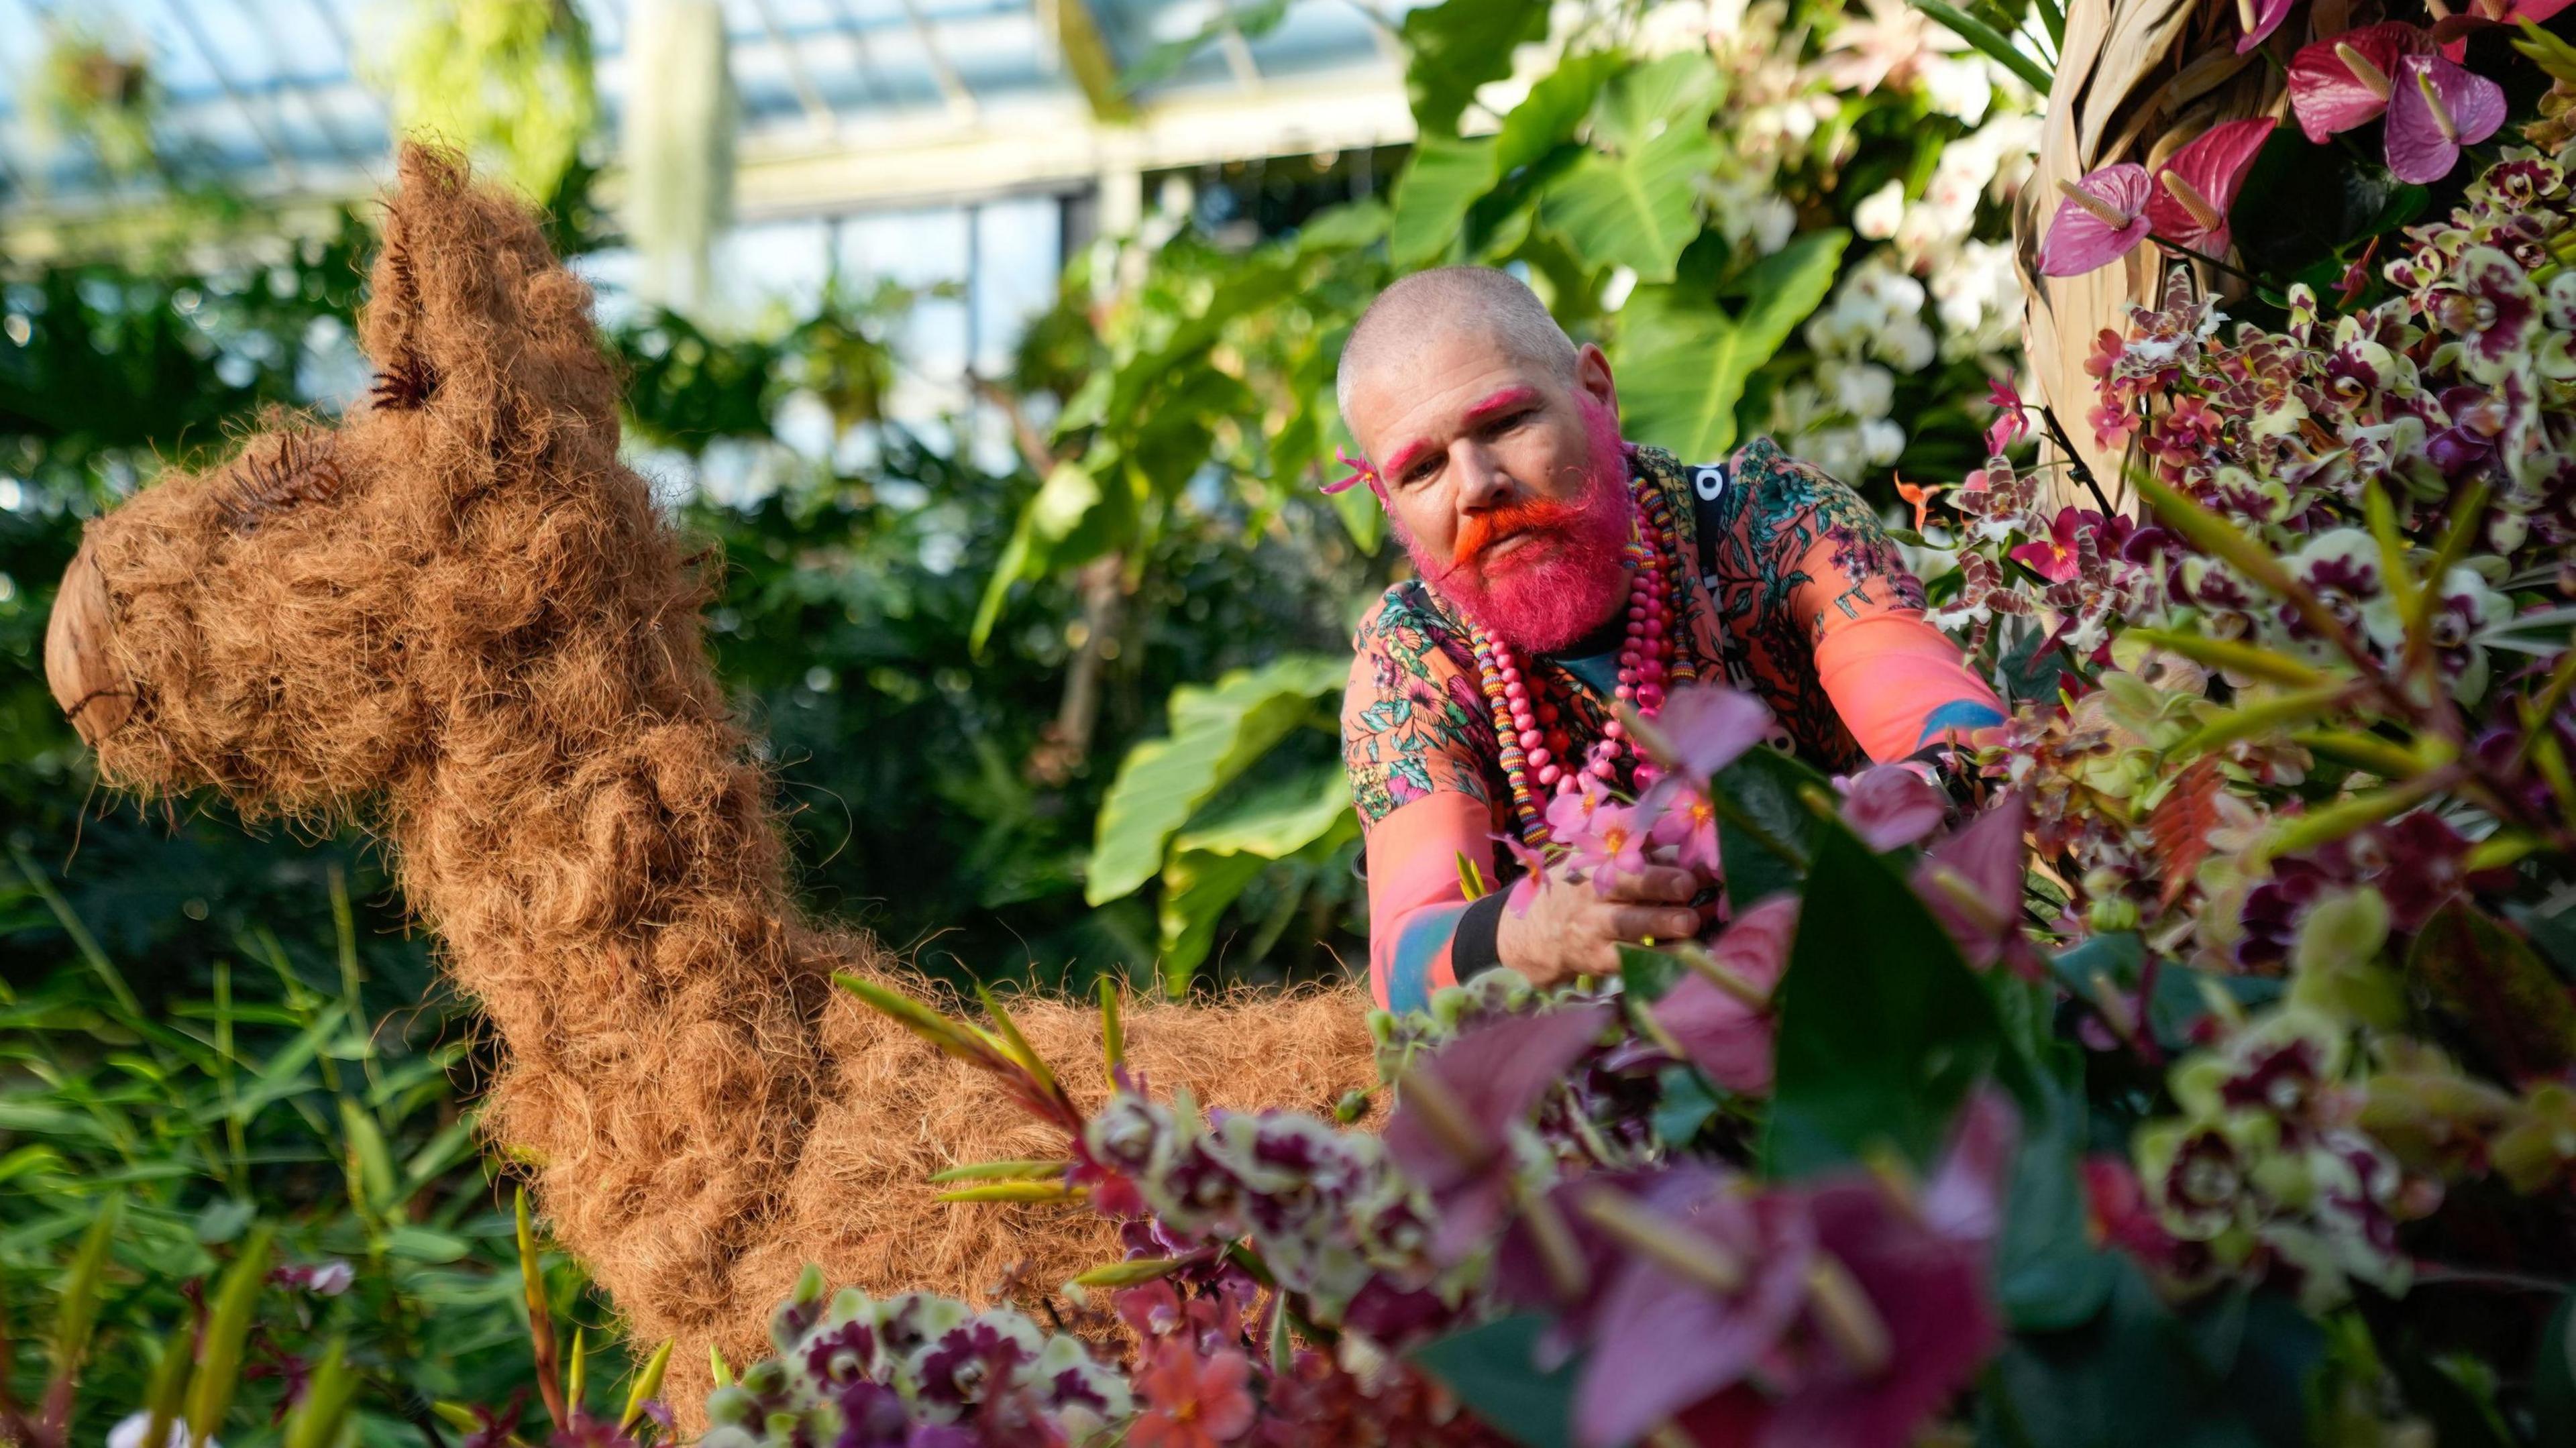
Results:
1482 483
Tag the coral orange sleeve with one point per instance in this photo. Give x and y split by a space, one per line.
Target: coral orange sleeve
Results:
1901 685
1416 900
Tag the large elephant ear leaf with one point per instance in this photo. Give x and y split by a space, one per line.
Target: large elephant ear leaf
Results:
1216 733
1684 363
1304 817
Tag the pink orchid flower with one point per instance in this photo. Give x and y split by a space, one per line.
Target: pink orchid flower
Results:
1892 805
1688 825
1726 1030
2054 557
2102 219
1613 845
2197 187
2260 18
2011 424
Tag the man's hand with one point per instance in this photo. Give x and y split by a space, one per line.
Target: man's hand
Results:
1573 927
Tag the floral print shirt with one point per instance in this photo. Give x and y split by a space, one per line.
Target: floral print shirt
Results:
1800 598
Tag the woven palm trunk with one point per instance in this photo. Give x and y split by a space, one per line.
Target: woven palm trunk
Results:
2136 80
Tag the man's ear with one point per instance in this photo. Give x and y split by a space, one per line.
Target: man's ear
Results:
1592 377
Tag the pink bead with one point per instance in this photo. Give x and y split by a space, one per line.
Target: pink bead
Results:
1655 627
1637 628
1516 691
1650 696
1511 673
1550 774
1622 692
1540 758
1603 769
1615 729
1532 739
1636 611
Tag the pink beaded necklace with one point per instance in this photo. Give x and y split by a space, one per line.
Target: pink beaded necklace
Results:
1537 744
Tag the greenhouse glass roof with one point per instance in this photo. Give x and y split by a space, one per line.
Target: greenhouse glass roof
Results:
268 95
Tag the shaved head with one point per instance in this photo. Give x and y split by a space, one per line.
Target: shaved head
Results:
1477 300
1494 442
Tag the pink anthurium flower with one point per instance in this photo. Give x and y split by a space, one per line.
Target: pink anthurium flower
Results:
2260 18
1891 806
2436 108
2345 80
1455 1111
2103 218
1726 1028
2452 32
2197 187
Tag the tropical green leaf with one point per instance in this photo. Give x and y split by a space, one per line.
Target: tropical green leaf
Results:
1674 93
1554 107
1216 732
1211 864
1764 831
1882 1027
1064 524
1683 367
1458 45
1432 196
1495 1370
1636 210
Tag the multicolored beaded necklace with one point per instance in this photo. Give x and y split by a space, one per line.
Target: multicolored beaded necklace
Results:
1535 733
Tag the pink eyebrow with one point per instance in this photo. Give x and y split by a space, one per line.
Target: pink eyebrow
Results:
1507 400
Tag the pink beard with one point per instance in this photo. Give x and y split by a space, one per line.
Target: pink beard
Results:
1552 590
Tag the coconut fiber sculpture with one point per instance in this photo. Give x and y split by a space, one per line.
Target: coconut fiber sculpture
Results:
458 619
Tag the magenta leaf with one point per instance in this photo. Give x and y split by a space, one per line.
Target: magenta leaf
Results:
2329 95
2435 108
2212 169
2084 234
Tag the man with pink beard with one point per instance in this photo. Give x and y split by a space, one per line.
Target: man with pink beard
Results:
1563 569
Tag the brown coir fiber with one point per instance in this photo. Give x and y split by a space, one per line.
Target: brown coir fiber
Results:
458 618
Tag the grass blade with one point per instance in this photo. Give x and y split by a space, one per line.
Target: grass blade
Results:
1113 1031
317 1421
1989 41
219 1358
648 1386
77 1315
541 1322
1002 1171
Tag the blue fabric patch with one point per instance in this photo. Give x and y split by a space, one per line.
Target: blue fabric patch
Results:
1959 714
1425 936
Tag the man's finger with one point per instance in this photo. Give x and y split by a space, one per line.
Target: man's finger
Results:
1643 922
1653 885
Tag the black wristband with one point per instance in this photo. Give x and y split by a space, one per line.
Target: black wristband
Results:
1473 946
